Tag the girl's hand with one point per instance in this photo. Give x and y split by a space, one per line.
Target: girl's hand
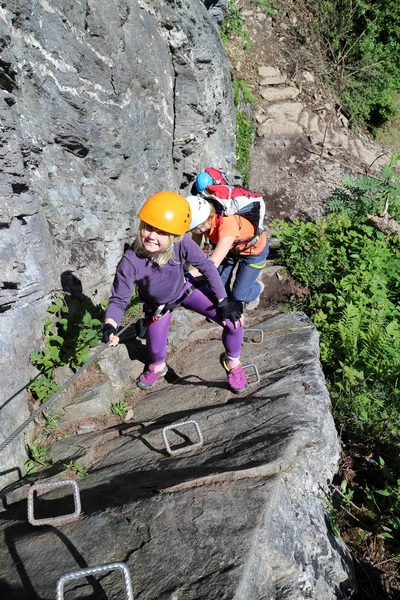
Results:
110 335
114 341
232 310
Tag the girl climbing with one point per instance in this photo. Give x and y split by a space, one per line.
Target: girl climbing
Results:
155 263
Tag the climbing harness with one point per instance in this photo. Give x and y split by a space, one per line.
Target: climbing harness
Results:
163 309
96 571
251 242
54 520
177 451
50 401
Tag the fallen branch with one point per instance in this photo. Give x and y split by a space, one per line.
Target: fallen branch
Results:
386 224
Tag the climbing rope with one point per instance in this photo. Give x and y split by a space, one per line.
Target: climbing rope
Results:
50 401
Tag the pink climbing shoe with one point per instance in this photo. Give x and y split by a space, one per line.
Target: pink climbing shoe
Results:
148 378
237 379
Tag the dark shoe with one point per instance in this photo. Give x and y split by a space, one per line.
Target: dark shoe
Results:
148 378
237 379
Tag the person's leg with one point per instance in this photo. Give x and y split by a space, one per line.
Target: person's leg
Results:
245 287
202 302
225 270
157 338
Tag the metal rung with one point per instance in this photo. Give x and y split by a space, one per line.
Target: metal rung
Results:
94 571
62 518
260 331
257 374
186 448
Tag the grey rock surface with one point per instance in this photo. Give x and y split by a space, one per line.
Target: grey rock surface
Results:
93 402
241 518
119 369
102 104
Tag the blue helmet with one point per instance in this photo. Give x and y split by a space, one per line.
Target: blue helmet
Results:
203 180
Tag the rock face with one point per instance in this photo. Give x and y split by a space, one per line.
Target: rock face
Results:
102 104
240 518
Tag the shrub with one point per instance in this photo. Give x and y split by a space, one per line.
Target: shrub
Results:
353 272
235 25
245 130
361 40
68 336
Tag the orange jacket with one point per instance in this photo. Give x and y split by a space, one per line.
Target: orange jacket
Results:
243 231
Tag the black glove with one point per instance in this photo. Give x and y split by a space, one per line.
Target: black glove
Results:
230 309
108 330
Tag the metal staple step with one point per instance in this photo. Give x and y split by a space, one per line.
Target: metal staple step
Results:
54 520
186 448
95 571
256 372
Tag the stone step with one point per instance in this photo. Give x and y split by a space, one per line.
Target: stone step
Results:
285 110
279 94
276 80
303 119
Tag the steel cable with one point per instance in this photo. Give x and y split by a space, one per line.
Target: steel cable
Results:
48 403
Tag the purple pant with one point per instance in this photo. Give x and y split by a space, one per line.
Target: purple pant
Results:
200 301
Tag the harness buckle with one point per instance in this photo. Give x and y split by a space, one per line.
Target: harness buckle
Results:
158 312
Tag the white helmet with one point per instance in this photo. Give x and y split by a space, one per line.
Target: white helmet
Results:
200 210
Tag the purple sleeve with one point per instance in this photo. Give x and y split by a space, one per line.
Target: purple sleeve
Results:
199 259
121 290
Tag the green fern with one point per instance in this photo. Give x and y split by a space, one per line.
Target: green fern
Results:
369 195
380 349
349 329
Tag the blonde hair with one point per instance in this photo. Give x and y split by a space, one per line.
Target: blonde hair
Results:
165 255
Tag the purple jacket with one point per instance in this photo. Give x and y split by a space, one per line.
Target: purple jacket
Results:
159 284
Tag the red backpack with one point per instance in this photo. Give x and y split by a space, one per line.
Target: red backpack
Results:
230 199
219 177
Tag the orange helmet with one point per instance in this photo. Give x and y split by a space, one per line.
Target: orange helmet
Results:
167 211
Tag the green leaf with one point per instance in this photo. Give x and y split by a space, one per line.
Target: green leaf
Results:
86 318
30 467
386 172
